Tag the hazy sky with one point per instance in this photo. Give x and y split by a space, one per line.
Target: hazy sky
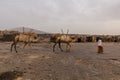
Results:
79 16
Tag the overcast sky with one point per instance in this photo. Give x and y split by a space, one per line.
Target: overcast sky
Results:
79 16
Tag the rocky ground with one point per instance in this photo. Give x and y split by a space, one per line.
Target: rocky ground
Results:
40 63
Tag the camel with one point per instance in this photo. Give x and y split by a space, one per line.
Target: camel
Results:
26 38
61 38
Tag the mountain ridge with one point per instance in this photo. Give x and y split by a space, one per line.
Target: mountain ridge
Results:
26 29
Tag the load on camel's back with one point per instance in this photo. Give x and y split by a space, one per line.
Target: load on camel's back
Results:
26 38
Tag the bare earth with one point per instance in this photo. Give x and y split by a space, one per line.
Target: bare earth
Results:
40 63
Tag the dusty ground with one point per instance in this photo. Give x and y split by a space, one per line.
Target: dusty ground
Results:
40 63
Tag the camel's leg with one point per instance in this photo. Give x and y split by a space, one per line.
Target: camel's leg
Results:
25 43
30 45
15 47
54 47
60 47
68 47
12 45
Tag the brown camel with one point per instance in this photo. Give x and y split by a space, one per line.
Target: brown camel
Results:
26 38
61 38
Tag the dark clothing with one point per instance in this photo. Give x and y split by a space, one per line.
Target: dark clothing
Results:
100 49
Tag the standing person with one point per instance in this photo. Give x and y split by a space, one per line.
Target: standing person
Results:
100 47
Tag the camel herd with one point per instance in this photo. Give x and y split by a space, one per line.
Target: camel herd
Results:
29 37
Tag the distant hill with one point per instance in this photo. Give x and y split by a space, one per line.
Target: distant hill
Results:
26 29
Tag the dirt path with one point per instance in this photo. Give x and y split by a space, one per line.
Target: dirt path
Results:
40 63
